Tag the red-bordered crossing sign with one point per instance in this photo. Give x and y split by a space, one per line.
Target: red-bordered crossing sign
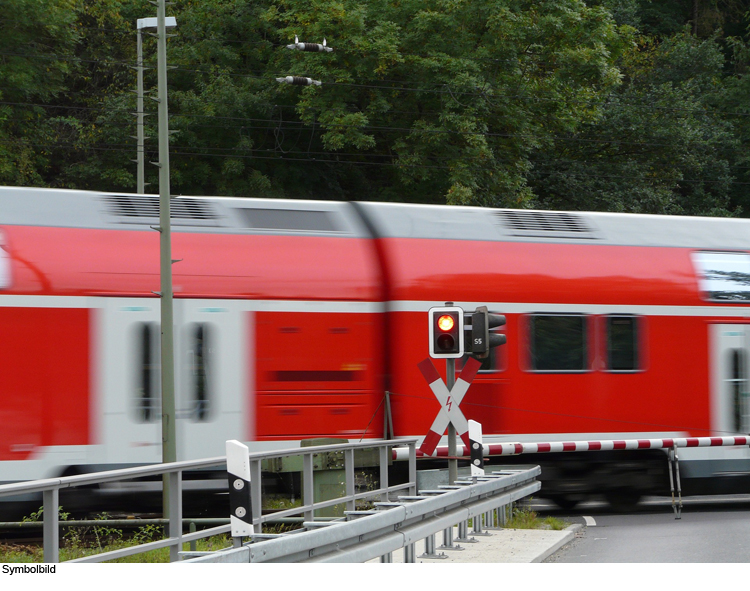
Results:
449 400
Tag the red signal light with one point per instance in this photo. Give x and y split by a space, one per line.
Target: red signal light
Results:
446 332
446 322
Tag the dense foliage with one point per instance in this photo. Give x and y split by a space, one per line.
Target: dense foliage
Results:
616 105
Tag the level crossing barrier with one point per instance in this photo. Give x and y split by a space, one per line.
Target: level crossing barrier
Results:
50 490
392 525
669 444
516 448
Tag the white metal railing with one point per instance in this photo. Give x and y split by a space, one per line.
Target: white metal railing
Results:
50 489
390 526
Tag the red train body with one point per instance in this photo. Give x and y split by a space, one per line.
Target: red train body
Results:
294 318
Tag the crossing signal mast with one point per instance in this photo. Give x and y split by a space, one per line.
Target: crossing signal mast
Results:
453 334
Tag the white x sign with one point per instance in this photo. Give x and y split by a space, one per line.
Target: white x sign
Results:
449 403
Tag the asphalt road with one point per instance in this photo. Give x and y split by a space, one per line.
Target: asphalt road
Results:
710 530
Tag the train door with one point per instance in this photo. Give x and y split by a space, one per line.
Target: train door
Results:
129 424
211 376
730 351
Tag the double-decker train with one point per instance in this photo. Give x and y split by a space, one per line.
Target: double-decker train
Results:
294 318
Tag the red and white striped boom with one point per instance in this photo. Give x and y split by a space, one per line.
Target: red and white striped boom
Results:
511 449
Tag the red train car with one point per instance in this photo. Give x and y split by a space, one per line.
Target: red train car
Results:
293 318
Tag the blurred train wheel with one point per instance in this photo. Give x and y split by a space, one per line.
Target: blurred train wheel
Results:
623 501
567 502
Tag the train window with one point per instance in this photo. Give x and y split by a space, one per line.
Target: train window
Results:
199 351
622 343
291 219
147 394
558 342
738 390
723 276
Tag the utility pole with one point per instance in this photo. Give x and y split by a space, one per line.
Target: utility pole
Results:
168 430
140 136
143 23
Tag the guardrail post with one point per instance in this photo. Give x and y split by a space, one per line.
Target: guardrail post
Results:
51 525
409 554
463 532
429 549
448 540
308 486
349 476
175 514
387 558
477 526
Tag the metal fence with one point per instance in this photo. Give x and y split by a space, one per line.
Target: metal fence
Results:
50 489
390 526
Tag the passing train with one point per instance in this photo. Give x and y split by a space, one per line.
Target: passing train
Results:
294 318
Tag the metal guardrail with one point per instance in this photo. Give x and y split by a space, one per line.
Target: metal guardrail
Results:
50 489
366 535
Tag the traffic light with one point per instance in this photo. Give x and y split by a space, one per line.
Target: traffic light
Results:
446 332
482 340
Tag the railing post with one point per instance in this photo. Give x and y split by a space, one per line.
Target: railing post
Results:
349 475
256 490
308 487
51 525
383 459
175 514
413 467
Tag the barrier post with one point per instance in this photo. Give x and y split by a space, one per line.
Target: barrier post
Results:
238 471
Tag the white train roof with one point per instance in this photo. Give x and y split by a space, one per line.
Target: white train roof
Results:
88 209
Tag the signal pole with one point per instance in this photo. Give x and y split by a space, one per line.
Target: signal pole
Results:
450 381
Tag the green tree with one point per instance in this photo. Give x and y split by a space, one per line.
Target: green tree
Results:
660 145
36 45
455 94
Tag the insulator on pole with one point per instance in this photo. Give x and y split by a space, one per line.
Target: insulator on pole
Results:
309 46
299 81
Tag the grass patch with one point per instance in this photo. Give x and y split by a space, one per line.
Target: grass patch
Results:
80 542
24 553
528 519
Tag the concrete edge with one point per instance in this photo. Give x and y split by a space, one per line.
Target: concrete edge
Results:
569 535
